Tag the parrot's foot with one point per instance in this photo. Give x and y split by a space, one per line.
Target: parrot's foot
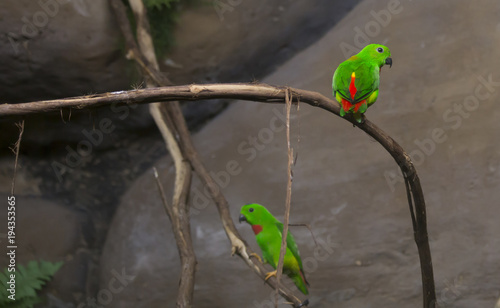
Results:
359 117
304 303
362 120
270 274
256 256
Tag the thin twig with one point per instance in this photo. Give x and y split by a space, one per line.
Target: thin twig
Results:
168 208
238 245
298 133
179 211
62 116
308 227
284 236
17 146
133 51
409 196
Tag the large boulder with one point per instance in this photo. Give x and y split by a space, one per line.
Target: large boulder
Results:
59 48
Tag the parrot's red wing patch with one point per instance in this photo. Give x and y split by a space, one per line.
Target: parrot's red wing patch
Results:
256 229
358 105
303 277
346 105
352 86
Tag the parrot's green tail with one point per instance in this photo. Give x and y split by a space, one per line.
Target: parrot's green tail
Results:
300 283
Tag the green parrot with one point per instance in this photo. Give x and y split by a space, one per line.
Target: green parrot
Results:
268 231
356 80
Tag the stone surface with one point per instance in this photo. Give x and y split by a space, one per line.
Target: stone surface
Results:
344 184
50 232
59 48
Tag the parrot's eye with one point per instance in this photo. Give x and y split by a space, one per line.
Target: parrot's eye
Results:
250 209
380 49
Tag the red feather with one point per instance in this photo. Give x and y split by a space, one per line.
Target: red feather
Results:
303 277
346 105
352 86
256 229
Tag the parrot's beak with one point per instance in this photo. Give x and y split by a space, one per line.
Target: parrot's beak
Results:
242 218
388 61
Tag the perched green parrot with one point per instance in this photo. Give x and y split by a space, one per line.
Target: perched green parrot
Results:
268 231
356 80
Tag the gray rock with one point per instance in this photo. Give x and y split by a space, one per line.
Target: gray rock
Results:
50 232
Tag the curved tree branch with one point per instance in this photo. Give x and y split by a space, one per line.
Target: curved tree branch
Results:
169 118
238 245
267 94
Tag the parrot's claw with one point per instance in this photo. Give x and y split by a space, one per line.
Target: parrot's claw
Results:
256 256
304 303
270 274
358 117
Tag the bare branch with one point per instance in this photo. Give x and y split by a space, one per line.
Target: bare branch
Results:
238 245
133 51
179 217
256 92
16 148
179 211
267 94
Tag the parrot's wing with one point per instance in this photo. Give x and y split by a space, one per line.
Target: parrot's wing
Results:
366 80
342 79
290 243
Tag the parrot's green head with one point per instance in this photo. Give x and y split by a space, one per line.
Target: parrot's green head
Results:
378 53
256 214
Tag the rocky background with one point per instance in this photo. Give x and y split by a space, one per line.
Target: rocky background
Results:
102 215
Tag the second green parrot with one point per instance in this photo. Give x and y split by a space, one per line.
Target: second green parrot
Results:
268 232
356 80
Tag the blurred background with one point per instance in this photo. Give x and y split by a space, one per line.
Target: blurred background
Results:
99 211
